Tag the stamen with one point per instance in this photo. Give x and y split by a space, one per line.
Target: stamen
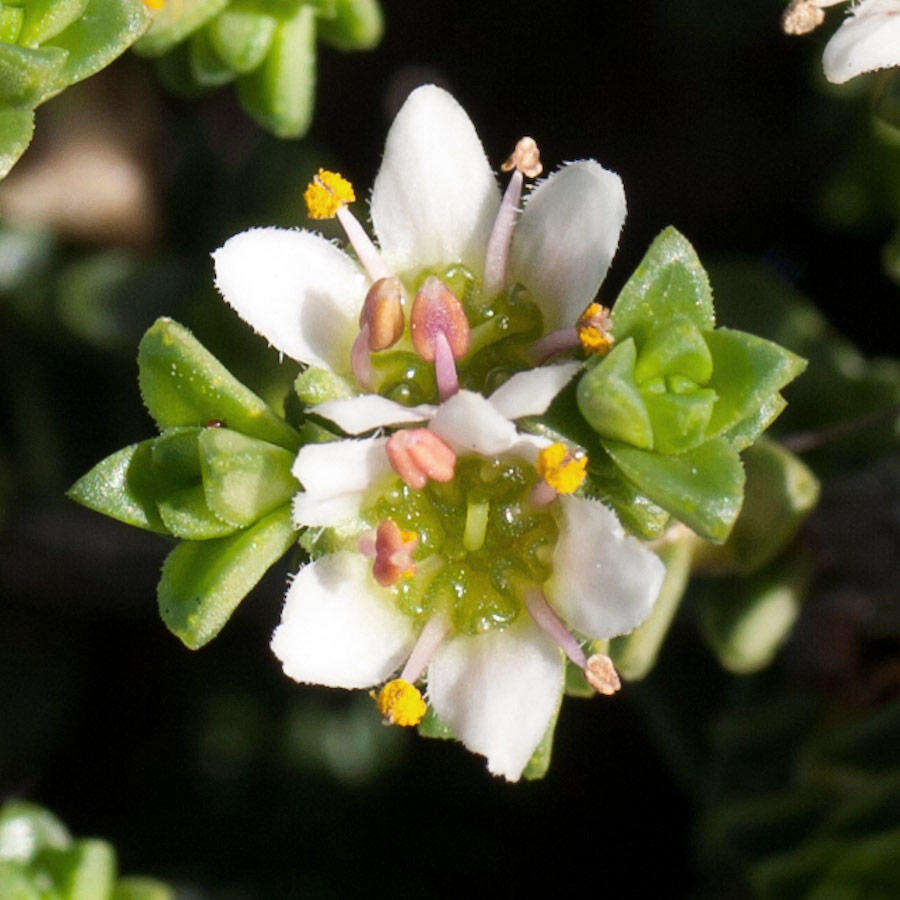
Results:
440 332
593 329
393 553
417 454
400 703
430 638
476 525
561 469
554 343
802 17
382 312
360 360
326 196
155 4
601 674
526 161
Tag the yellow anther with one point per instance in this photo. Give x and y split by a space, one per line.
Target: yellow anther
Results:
561 469
155 4
326 194
400 703
408 536
593 329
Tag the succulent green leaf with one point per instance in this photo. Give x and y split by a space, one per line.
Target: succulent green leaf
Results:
668 282
105 30
207 69
674 348
29 75
355 25
44 19
704 487
279 93
175 22
11 18
86 870
244 478
140 888
182 383
186 515
26 828
203 581
176 457
747 370
780 493
745 432
432 726
537 766
16 129
635 654
314 385
610 400
241 37
679 421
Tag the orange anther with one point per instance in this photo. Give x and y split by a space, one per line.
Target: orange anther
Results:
383 312
417 454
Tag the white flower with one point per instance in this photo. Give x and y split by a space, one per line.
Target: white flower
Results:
498 690
435 203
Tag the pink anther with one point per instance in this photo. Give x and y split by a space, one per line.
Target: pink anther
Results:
417 454
393 553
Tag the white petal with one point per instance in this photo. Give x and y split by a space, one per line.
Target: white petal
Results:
338 628
529 393
296 289
314 510
604 581
469 422
498 692
566 238
435 197
367 411
868 39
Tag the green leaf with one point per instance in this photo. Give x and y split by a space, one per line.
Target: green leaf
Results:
669 282
747 370
703 487
17 884
674 348
780 493
679 421
140 888
279 93
186 515
11 18
314 385
182 383
241 38
355 25
203 581
207 69
84 871
16 129
105 30
433 727
28 75
26 828
176 457
610 400
172 24
44 19
745 432
244 478
635 654
537 766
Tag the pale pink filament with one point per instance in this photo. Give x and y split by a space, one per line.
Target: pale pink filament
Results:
444 367
496 257
549 621
430 638
361 360
554 343
366 251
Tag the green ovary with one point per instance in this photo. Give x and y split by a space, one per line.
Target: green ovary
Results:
502 330
480 541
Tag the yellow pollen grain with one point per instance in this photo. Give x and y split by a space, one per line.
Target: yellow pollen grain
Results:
326 194
591 329
155 4
400 703
560 469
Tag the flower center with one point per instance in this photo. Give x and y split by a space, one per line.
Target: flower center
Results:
481 541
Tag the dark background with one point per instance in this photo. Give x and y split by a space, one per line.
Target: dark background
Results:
213 770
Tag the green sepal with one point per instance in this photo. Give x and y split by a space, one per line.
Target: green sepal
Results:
172 24
44 19
704 487
186 515
244 478
433 727
136 887
105 30
279 93
353 25
780 493
241 38
16 883
315 385
203 581
668 282
11 18
86 870
674 348
747 370
29 75
207 69
176 74
182 383
745 432
635 654
746 619
31 826
679 421
16 129
610 400
537 766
